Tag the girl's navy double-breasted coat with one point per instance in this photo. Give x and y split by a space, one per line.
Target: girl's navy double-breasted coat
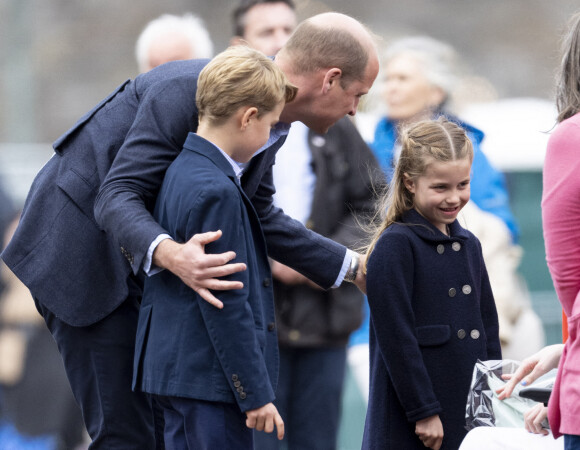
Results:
432 316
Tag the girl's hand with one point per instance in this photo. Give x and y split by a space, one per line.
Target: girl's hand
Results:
430 432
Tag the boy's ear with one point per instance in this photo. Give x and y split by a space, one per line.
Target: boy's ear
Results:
409 183
331 78
250 113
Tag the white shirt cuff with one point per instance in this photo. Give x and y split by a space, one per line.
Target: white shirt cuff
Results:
345 265
149 271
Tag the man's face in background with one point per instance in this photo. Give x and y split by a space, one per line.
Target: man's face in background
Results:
268 26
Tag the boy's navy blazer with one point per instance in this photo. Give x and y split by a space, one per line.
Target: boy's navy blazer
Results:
185 346
60 250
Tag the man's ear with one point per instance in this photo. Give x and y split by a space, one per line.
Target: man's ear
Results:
409 183
249 113
331 78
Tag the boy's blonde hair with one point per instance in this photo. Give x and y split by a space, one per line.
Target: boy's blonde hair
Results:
240 76
421 144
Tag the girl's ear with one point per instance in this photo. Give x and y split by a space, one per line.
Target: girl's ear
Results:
409 183
249 113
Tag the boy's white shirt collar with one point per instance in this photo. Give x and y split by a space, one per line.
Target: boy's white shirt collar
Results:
279 130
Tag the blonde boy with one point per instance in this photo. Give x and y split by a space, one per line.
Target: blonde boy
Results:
214 371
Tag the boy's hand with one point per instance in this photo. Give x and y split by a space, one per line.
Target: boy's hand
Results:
264 419
430 432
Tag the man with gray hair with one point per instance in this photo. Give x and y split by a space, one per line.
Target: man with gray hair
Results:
172 38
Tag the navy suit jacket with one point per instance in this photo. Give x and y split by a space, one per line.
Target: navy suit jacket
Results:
60 251
185 346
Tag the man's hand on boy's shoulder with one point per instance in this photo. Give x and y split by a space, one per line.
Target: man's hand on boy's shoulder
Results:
265 419
197 269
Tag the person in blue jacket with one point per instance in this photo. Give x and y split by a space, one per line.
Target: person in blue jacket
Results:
432 309
418 79
212 369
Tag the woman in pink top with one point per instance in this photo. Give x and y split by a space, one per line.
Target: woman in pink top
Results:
561 223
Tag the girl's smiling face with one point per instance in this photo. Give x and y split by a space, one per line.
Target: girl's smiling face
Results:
441 192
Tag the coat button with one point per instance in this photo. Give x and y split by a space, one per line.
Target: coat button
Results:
318 141
242 395
461 333
234 377
452 292
474 334
456 246
294 335
266 282
271 326
466 289
237 384
240 389
440 249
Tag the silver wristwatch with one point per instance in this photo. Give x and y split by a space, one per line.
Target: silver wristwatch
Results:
352 269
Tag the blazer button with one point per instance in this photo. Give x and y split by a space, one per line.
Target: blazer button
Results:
240 389
466 289
440 249
271 326
237 384
266 282
461 333
452 292
474 334
234 377
456 246
242 395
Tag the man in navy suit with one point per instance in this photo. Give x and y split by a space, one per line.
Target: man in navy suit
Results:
77 271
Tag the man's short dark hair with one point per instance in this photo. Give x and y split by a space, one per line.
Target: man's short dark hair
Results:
239 14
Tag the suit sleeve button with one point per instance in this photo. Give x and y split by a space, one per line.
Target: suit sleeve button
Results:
271 326
461 333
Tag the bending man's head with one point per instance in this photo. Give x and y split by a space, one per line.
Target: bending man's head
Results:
333 60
